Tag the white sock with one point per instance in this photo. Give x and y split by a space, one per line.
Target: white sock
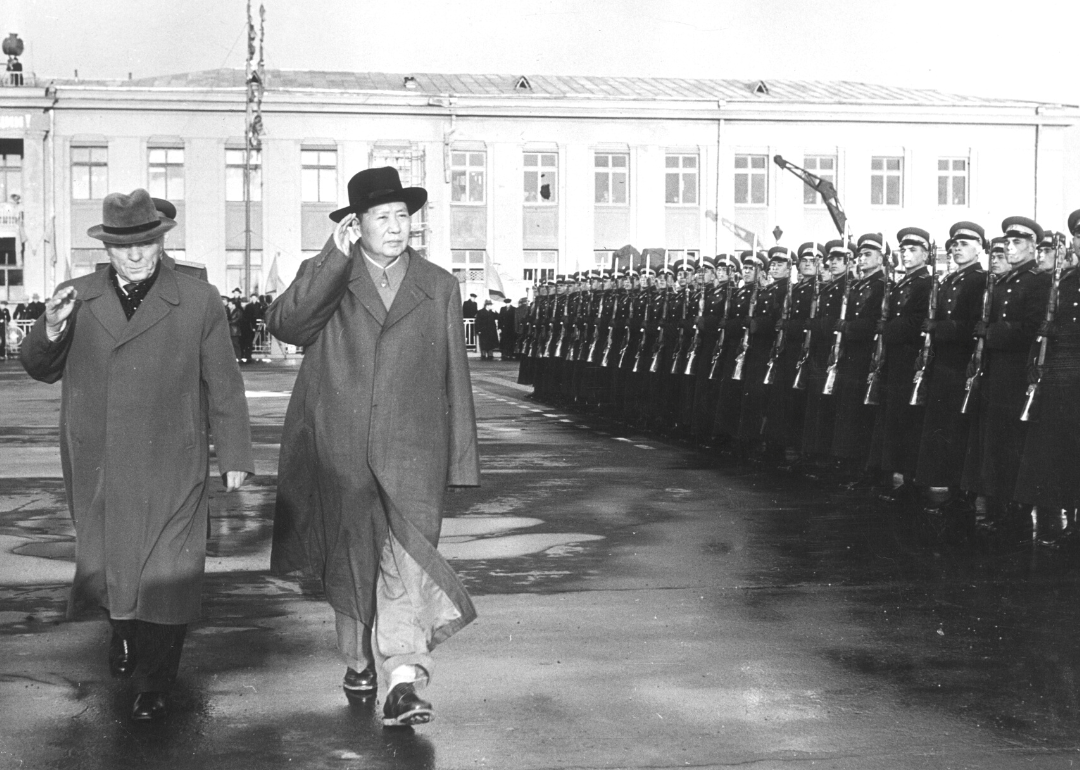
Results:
403 675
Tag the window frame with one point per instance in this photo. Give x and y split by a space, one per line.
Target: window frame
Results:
950 174
610 173
256 174
469 170
750 172
540 169
326 174
169 192
680 172
90 164
885 173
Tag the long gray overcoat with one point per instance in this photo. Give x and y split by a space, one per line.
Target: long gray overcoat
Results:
138 401
380 423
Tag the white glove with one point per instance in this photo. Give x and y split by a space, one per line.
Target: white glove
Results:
347 233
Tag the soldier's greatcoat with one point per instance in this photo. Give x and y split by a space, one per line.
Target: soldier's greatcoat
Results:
854 419
996 440
945 429
380 423
898 430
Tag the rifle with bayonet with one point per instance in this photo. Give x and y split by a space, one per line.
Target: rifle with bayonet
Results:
926 354
744 344
658 346
718 349
628 327
580 340
837 351
975 365
781 335
565 327
645 321
1032 398
695 341
590 356
799 383
680 342
877 361
619 296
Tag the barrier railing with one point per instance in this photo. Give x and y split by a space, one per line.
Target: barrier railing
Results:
470 335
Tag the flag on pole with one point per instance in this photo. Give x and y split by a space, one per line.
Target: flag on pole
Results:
273 280
740 232
493 279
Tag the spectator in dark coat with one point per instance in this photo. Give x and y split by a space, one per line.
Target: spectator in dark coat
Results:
253 313
487 331
507 335
468 307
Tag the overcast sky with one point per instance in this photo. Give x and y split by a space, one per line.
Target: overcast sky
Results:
1018 50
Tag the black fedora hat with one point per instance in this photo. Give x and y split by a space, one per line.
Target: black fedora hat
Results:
127 219
375 186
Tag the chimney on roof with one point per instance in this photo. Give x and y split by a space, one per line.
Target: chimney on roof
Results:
410 83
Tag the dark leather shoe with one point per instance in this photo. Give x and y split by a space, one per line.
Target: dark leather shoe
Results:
121 656
149 707
359 686
405 708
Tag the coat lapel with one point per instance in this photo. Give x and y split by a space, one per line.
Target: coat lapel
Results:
414 289
104 304
361 285
163 295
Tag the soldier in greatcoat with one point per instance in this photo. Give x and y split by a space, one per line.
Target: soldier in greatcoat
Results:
898 429
1047 477
854 419
959 306
997 436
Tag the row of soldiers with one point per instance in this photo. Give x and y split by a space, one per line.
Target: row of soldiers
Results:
958 394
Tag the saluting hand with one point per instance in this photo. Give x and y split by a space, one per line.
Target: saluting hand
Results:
58 307
347 233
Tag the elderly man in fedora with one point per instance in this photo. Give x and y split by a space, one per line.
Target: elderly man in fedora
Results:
380 424
147 373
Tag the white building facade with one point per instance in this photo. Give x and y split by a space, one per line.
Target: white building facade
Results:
528 177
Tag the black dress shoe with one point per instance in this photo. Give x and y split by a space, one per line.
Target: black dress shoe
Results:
359 686
121 656
405 708
149 707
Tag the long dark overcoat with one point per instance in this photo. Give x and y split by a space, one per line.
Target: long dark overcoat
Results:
380 423
138 402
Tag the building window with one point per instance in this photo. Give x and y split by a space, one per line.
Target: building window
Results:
825 167
234 175
952 181
318 176
234 270
11 274
467 171
89 173
539 265
165 173
541 177
612 172
10 178
887 181
468 265
751 180
681 179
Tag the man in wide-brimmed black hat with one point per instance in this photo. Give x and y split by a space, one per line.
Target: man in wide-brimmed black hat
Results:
380 423
147 372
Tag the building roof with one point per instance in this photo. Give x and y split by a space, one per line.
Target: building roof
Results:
568 87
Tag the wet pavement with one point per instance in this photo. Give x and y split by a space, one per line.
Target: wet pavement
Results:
642 605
